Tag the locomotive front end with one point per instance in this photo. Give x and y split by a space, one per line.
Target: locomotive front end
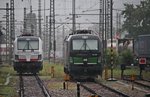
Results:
28 55
84 56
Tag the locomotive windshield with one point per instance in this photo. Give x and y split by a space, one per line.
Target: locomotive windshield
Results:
88 44
28 44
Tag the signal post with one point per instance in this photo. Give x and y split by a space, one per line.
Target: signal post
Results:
142 63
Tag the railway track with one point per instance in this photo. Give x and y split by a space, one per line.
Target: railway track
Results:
44 89
114 89
83 89
102 90
21 86
129 88
143 83
32 86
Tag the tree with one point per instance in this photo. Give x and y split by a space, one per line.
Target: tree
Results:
137 18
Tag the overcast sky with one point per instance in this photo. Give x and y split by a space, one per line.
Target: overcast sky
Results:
63 8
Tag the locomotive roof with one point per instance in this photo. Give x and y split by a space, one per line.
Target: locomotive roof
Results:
144 35
82 32
25 37
81 36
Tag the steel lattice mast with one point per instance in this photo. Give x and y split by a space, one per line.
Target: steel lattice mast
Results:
52 41
12 28
25 24
73 16
39 16
7 30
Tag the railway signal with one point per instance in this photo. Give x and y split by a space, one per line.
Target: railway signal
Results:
142 61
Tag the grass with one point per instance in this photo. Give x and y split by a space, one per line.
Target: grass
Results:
46 73
10 91
4 71
59 73
7 90
128 71
51 69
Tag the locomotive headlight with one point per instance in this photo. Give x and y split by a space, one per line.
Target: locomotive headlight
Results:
71 60
85 60
39 57
16 57
84 37
99 61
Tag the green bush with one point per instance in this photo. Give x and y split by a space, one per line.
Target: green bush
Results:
108 57
126 57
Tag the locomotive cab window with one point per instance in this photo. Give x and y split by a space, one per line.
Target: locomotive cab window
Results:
85 44
28 44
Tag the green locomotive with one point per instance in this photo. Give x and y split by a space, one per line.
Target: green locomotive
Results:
83 55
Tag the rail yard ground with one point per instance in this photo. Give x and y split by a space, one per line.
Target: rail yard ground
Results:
53 78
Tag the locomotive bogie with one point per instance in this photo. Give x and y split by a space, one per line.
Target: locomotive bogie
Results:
84 71
28 67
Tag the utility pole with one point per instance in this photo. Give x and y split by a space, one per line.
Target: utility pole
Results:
101 25
25 24
12 29
7 30
10 35
12 26
100 18
108 18
47 37
73 16
44 32
1 42
118 23
31 26
40 19
63 49
111 35
52 30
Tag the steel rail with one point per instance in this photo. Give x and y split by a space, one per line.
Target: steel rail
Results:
21 85
90 90
139 83
44 89
113 90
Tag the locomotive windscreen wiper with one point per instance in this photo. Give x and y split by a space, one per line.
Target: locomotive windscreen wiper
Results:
83 46
87 47
25 47
30 46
